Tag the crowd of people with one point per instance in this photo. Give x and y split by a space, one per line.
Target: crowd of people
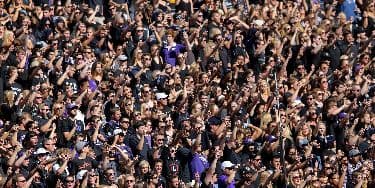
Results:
187 93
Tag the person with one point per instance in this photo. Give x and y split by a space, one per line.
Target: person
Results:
227 178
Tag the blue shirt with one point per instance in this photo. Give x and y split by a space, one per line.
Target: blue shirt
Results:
348 7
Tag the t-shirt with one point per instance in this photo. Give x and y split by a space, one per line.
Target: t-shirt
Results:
223 182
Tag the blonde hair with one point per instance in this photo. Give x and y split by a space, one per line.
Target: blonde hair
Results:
9 97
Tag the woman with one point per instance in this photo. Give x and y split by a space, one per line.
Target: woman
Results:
97 72
171 49
304 136
156 60
9 108
369 17
144 170
264 91
295 180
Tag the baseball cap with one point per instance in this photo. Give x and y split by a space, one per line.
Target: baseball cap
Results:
81 174
214 120
354 152
226 164
161 96
72 106
41 151
80 145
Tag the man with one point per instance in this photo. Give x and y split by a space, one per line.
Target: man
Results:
109 177
129 181
226 180
137 142
354 161
83 162
65 126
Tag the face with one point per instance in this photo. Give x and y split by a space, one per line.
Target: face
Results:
21 182
322 129
69 182
130 181
296 178
175 182
110 175
158 167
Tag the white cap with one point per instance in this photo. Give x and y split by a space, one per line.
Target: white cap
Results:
81 174
258 22
226 164
41 151
122 58
161 96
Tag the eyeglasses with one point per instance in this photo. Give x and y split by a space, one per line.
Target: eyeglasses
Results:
124 121
131 181
38 97
110 174
69 181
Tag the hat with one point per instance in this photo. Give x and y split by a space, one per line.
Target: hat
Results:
72 106
214 120
80 145
161 96
354 152
258 22
81 174
226 164
122 58
34 64
41 151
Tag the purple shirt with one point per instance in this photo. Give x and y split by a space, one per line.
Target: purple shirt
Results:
223 182
198 164
170 55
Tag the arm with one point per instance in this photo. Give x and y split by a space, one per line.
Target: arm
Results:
62 167
141 142
63 77
12 159
69 135
46 127
20 160
257 132
96 133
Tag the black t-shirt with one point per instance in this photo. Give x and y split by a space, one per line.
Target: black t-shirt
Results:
64 125
144 153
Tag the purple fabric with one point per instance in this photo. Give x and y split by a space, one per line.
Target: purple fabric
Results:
222 181
170 55
198 164
92 85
